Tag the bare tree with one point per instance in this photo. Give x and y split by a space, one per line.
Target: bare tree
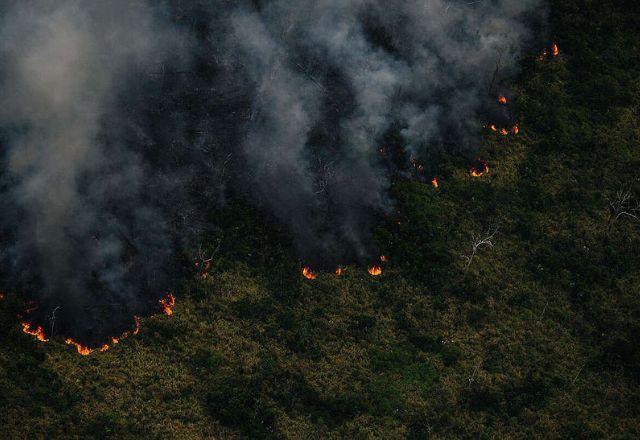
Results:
52 320
472 378
622 205
479 240
203 260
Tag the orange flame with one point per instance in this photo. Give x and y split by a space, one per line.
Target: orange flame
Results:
493 127
339 271
502 100
555 50
167 304
504 131
375 270
204 270
308 273
478 171
37 331
516 129
435 183
83 350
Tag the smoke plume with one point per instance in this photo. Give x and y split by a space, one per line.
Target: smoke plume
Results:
114 114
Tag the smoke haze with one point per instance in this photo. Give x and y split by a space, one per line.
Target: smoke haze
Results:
112 112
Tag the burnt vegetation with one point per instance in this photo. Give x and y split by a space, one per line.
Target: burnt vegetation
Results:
508 306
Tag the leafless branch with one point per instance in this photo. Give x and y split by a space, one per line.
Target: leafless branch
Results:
479 240
622 205
52 319
472 378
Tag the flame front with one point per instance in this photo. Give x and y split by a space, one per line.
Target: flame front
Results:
478 171
37 331
375 270
82 349
166 303
308 273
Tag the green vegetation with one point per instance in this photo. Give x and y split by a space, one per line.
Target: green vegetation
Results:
538 337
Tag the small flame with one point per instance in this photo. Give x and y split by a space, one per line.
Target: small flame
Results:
203 271
493 127
544 55
502 100
555 51
478 171
515 129
37 331
375 270
435 183
339 271
166 303
104 347
308 273
504 131
83 350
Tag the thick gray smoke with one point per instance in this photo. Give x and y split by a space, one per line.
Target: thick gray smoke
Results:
111 111
87 232
331 78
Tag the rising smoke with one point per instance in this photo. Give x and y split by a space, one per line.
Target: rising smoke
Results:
115 113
